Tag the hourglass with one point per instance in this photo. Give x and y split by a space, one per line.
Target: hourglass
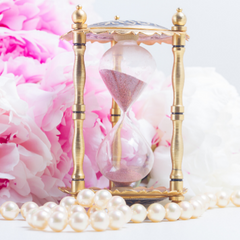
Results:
124 156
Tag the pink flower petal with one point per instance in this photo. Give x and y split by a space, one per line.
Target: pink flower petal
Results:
9 157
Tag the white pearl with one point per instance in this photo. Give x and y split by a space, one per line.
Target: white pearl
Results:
173 211
197 208
40 219
27 207
46 209
29 215
116 219
76 208
222 199
102 198
99 220
235 198
67 202
58 221
9 210
79 221
187 210
139 213
206 200
50 205
202 205
212 200
115 202
201 202
156 212
59 208
92 210
85 198
127 211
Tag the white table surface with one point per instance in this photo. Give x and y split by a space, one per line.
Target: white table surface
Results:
215 224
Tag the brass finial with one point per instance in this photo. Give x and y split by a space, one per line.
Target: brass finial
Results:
79 16
179 18
116 17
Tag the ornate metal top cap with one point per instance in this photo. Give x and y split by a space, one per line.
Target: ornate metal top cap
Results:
126 24
179 18
148 33
79 16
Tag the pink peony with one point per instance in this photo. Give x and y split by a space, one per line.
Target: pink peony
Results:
50 105
31 14
34 44
51 16
25 69
37 56
25 149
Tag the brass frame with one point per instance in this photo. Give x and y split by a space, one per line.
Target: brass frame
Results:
179 36
78 109
177 109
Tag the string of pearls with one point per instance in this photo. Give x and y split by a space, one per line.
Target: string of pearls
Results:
102 210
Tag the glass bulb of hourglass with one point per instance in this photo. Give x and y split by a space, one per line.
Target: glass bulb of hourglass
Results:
124 156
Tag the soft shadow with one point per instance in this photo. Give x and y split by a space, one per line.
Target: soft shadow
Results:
49 231
2 219
30 229
164 220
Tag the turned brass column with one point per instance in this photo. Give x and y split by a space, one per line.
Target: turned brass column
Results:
176 182
79 18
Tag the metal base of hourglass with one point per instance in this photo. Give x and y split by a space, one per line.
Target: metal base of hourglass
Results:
136 195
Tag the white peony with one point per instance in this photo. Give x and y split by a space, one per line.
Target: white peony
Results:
211 130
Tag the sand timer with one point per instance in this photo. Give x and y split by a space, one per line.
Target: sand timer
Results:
124 157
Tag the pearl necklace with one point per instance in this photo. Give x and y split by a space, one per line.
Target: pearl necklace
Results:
73 211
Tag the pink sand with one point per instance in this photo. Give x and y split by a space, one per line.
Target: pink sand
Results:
124 88
124 175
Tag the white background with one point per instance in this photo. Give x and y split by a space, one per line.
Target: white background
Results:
213 26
